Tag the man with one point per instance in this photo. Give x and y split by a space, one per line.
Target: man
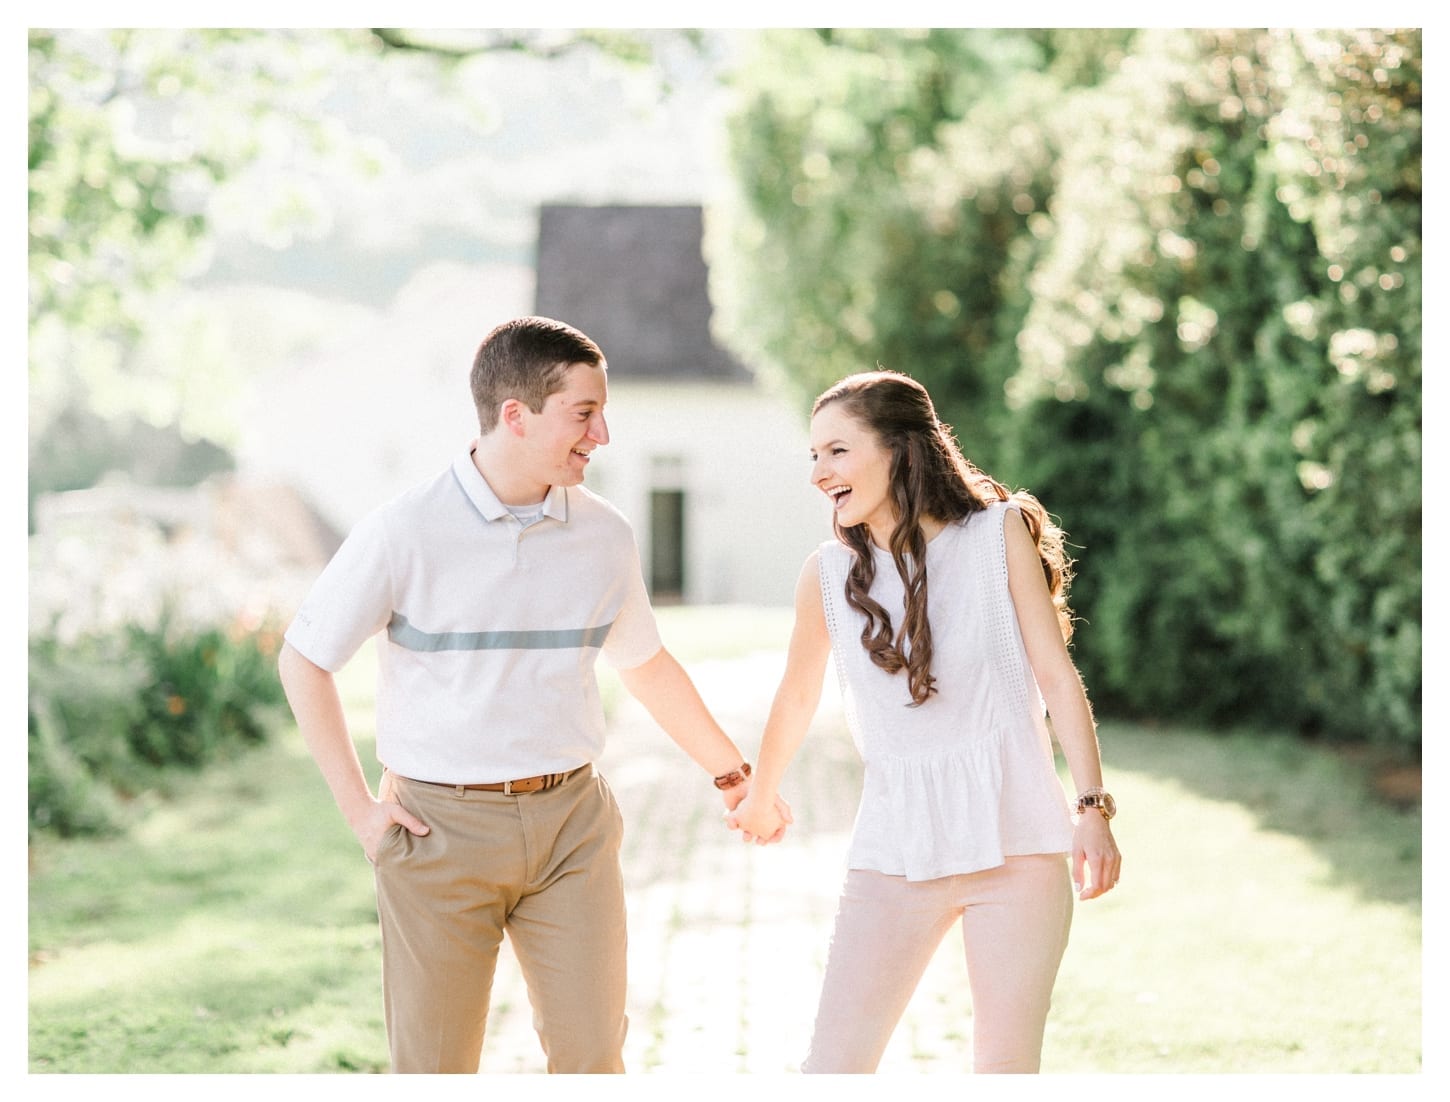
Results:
498 584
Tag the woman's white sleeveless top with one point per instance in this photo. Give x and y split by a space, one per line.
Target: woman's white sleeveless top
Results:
968 778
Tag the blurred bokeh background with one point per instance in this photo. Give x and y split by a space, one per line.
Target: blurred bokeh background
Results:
1169 280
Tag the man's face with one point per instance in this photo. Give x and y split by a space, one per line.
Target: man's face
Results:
559 439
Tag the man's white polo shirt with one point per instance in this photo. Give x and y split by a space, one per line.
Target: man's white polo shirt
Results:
486 672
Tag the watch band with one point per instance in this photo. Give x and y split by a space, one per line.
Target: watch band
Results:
1098 799
734 777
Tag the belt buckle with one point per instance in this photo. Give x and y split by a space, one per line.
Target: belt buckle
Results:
533 784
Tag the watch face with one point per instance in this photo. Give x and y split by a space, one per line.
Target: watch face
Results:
1110 805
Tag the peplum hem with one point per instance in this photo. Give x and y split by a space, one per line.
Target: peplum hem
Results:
941 814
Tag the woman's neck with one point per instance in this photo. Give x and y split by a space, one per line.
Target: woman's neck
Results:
931 527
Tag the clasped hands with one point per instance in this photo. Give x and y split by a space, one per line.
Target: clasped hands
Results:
759 821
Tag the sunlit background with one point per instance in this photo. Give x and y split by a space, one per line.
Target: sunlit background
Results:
1168 280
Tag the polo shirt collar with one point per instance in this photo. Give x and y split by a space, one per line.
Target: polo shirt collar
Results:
556 501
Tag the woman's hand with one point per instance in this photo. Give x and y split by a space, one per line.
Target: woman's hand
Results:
1093 849
761 823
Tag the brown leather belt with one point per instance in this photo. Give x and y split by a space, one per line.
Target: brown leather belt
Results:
511 788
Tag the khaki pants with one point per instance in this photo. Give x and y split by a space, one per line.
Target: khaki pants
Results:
545 868
1015 921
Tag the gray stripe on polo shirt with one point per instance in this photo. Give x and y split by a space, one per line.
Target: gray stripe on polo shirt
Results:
406 635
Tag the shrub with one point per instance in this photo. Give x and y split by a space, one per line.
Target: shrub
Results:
1167 279
110 713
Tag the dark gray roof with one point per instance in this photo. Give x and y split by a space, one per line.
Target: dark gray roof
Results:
633 278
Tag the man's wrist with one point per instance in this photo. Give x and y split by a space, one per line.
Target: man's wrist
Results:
733 778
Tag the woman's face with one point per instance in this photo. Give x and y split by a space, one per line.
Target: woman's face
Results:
853 469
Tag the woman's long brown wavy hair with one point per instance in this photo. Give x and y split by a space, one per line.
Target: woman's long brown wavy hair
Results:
929 477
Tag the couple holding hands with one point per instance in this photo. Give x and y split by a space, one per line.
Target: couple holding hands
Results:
498 584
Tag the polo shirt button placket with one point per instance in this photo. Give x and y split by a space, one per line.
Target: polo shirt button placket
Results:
521 561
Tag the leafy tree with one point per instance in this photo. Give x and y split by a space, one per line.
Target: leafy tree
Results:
133 135
1167 279
143 141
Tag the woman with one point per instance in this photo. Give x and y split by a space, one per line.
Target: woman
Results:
943 599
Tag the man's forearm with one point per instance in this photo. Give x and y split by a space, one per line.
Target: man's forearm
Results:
670 697
316 705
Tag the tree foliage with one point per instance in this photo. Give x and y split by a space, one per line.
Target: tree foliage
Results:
136 139
1170 280
141 143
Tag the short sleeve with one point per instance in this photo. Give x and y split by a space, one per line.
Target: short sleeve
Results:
351 601
635 637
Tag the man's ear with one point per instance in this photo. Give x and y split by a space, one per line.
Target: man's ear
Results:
511 415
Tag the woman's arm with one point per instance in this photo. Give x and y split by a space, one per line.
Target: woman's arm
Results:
792 709
1067 704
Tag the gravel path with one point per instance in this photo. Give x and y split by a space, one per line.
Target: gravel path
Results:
727 940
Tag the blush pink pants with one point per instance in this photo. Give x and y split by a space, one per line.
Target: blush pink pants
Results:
1015 921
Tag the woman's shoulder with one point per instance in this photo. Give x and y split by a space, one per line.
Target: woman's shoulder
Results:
830 563
988 516
993 515
1000 508
985 529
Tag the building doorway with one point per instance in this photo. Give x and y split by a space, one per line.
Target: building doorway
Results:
667 545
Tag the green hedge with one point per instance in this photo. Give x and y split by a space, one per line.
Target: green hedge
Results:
1167 279
113 713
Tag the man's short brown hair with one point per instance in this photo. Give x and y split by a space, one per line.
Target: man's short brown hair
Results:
527 359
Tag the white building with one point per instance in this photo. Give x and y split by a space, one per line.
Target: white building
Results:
710 466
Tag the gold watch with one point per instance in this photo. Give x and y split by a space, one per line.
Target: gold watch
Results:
1099 799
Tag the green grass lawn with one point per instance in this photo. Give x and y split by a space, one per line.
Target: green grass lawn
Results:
1268 919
